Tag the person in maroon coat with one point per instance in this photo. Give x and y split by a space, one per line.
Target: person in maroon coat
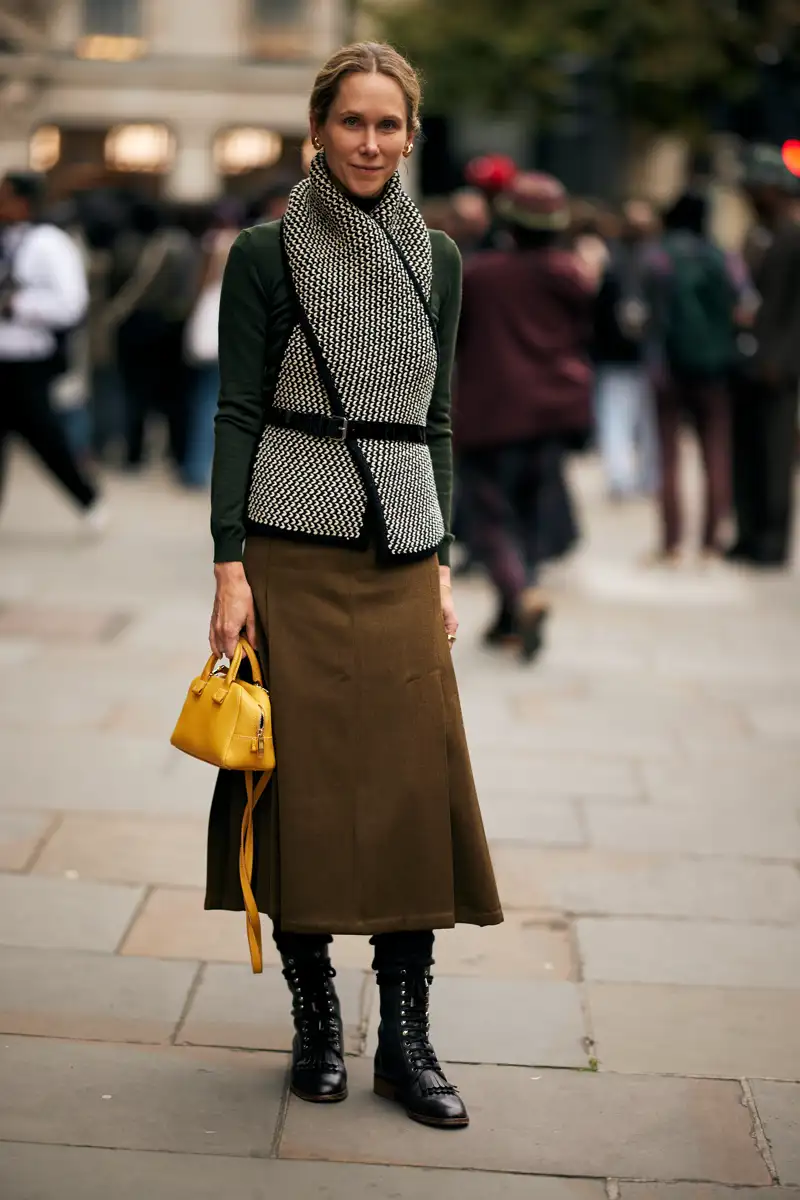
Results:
523 391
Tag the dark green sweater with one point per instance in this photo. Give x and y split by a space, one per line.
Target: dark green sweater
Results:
255 320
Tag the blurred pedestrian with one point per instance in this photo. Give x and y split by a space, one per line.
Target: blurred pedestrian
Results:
201 347
70 389
43 296
624 406
523 391
269 204
154 282
766 386
333 460
692 292
472 220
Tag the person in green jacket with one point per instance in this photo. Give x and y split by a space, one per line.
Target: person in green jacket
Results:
331 516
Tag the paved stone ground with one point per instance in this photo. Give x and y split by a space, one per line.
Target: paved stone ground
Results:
631 1031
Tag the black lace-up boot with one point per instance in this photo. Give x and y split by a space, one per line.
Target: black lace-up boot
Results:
318 1070
406 1067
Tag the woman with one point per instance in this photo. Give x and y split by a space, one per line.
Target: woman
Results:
333 464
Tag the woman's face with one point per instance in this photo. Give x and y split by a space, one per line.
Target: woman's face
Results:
365 132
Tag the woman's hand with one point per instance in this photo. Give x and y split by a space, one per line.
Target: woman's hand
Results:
233 610
448 607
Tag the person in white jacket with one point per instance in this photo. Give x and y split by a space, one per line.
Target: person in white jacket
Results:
43 294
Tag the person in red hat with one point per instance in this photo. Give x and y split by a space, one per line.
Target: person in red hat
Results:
523 391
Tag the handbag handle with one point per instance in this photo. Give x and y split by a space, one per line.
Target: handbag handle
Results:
243 650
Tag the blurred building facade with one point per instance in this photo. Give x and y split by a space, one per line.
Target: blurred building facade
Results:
191 97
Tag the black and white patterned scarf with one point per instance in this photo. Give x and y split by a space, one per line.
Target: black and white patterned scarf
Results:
363 279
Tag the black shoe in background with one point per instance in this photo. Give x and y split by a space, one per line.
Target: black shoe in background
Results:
503 629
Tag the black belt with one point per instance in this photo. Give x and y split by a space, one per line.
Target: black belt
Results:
339 429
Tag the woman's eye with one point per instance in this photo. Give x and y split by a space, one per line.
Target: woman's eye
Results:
389 124
351 121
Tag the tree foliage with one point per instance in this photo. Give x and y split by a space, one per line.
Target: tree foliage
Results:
664 61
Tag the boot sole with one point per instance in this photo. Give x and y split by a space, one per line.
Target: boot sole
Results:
387 1091
336 1098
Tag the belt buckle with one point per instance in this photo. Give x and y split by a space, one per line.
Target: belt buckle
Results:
341 429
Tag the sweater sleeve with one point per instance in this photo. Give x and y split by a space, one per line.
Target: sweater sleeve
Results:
243 319
439 425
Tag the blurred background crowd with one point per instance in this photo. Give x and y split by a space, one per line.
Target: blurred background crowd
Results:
641 160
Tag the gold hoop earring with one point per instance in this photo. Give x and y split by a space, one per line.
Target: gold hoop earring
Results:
316 143
408 150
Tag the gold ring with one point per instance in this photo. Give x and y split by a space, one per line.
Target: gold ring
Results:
451 637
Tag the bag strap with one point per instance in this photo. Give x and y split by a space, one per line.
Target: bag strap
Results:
246 857
243 650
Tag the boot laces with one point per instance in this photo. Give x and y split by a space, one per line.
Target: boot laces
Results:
317 1022
415 1031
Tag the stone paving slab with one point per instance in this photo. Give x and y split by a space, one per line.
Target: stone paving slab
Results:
77 1173
585 732
173 924
233 1007
780 722
533 774
545 1123
128 849
62 914
729 779
703 1191
61 623
108 772
34 705
614 883
714 954
150 717
181 1099
97 997
520 948
20 834
695 830
778 1106
187 616
15 651
539 822
517 1024
633 709
721 1032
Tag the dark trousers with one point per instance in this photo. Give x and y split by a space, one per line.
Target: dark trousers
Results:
516 509
25 411
392 950
706 403
150 358
764 451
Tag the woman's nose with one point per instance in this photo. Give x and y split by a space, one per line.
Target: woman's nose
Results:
370 142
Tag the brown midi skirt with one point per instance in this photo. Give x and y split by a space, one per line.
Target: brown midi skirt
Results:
371 823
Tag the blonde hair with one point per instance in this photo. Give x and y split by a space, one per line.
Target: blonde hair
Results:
370 58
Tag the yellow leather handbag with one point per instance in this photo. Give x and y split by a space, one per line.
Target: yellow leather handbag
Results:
227 722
